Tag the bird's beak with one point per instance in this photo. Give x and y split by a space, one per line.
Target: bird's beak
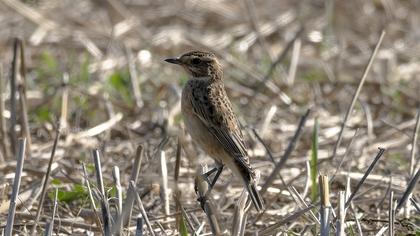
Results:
173 61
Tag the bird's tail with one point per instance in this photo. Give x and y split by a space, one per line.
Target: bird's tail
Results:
255 196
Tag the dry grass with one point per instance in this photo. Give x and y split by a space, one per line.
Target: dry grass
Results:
94 72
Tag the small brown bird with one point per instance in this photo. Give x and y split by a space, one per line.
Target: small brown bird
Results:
210 121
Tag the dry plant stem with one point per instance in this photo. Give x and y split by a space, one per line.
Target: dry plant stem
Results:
134 78
415 205
307 179
3 134
117 182
92 202
142 210
164 185
62 222
414 143
413 157
267 120
50 226
301 202
240 215
46 179
359 226
356 94
21 86
139 226
408 191
294 61
13 79
372 165
267 150
185 214
202 190
273 228
341 223
345 155
16 185
325 204
124 218
391 214
177 161
64 101
104 200
286 154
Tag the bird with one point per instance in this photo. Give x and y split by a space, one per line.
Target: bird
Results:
211 122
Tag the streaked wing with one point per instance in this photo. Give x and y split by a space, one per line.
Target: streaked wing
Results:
224 127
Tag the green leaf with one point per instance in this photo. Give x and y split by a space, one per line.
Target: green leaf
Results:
49 61
120 85
314 162
77 192
182 227
55 182
42 114
90 168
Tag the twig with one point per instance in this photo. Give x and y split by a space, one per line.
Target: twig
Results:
240 216
139 226
46 179
92 202
413 156
50 226
128 204
345 155
64 102
267 150
414 143
134 78
372 165
391 214
325 205
64 222
356 94
142 210
164 185
341 223
104 201
202 190
184 214
415 205
21 86
290 218
177 161
13 110
286 154
117 182
3 134
408 190
297 44
16 185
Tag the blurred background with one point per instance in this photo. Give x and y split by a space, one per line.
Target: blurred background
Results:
92 63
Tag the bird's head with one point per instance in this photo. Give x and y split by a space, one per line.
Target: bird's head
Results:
199 64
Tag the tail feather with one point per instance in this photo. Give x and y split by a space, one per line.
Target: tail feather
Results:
255 196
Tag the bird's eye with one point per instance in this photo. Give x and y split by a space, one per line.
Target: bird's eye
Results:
195 61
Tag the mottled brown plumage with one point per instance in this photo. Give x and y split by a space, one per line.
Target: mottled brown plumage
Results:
209 118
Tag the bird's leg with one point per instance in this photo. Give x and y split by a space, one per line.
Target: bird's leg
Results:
218 169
